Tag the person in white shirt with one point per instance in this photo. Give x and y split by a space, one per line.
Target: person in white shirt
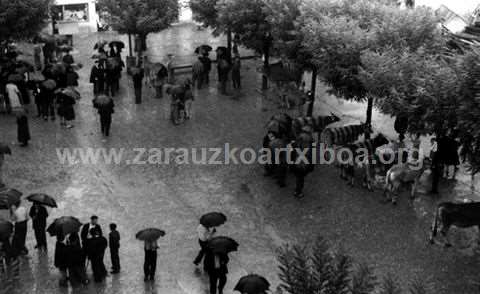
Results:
14 96
204 235
20 218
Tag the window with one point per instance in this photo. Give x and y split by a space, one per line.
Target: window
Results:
70 13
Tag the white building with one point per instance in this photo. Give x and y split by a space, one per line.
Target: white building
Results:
75 16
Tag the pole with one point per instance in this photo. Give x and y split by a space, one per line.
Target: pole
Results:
368 121
229 46
130 44
313 87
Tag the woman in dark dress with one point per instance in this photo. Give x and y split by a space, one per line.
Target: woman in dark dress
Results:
76 261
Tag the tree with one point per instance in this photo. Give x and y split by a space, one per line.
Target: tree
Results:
20 19
141 17
319 269
338 33
207 13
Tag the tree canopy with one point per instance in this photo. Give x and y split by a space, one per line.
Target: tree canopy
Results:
140 17
21 19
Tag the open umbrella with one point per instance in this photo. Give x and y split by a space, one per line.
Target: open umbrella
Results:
113 62
59 68
9 197
119 44
150 234
213 219
64 225
102 100
99 56
6 229
223 245
42 199
5 149
99 44
203 48
15 78
71 92
252 284
65 48
49 84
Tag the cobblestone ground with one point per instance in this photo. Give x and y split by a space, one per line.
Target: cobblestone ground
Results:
172 197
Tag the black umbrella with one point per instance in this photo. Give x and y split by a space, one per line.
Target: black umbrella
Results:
65 48
15 78
5 149
203 48
49 84
9 197
213 219
64 225
102 100
150 234
6 229
252 284
42 199
223 245
71 92
119 44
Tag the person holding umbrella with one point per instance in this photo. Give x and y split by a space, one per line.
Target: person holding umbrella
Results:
75 260
39 214
216 261
150 237
20 218
105 107
65 109
206 230
60 260
97 77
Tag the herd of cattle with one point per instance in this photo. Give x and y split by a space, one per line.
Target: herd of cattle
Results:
309 132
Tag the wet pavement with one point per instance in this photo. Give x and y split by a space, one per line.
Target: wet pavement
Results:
261 216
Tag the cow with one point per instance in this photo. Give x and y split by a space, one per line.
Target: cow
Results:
462 215
313 124
361 156
407 173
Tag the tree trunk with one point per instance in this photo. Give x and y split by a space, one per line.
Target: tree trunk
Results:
368 121
130 50
312 90
229 46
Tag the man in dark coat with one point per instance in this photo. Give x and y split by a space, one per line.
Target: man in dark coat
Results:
38 214
23 131
207 67
216 267
114 244
84 234
137 77
105 111
97 77
96 251
223 68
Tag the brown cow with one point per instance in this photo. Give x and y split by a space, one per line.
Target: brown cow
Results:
462 215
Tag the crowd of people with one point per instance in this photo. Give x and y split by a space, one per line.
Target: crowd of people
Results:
75 251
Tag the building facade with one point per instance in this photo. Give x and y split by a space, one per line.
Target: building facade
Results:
74 16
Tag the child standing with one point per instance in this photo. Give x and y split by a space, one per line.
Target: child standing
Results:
114 244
